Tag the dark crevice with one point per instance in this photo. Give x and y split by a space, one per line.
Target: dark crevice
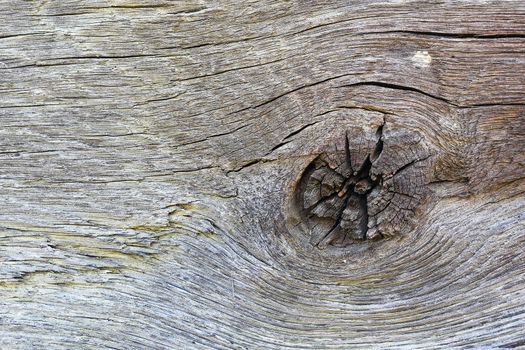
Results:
281 144
365 169
339 218
247 165
368 83
100 57
65 14
7 36
299 88
357 186
289 92
379 145
410 164
439 98
502 104
383 209
369 208
347 152
404 167
207 138
363 224
450 35
321 200
194 46
400 87
299 130
137 6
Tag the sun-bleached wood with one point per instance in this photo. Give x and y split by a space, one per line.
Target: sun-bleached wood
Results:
150 153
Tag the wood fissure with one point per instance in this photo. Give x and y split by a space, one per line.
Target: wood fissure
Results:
262 174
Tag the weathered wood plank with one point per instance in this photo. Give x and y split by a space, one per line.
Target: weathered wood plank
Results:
151 152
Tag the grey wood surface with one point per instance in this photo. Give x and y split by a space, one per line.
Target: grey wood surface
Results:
150 152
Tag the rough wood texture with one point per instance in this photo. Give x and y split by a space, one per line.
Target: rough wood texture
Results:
151 153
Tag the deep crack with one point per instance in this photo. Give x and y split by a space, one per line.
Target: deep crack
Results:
343 203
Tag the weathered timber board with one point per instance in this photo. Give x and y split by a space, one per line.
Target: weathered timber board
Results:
150 151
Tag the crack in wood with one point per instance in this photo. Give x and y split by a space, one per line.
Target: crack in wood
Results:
345 202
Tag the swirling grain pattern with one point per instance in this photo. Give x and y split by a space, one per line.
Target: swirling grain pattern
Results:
151 152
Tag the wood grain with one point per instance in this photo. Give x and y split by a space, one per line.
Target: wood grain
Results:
150 153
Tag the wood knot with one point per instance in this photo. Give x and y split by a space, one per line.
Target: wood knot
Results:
366 191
